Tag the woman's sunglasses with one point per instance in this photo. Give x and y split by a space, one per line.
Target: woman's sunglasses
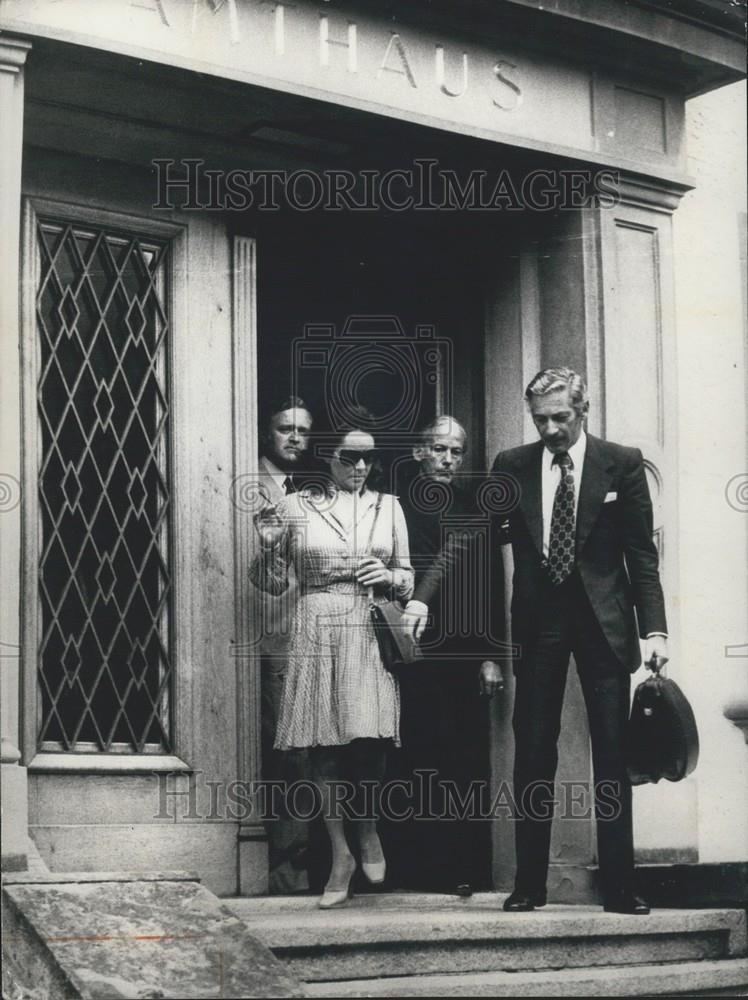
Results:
350 457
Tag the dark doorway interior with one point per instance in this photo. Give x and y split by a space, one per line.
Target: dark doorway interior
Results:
385 311
376 311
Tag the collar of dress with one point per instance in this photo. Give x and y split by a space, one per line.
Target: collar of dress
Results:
324 505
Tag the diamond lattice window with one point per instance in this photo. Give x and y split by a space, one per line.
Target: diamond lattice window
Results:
104 574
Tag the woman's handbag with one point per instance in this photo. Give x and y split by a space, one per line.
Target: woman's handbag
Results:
662 739
397 647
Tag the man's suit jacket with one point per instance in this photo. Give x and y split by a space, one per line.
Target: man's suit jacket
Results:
454 576
616 557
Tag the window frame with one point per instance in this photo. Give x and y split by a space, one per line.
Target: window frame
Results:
115 760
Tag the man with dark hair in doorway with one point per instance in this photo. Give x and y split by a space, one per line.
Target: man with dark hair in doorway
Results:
445 721
284 445
285 442
586 583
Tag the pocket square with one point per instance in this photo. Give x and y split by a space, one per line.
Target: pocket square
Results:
610 497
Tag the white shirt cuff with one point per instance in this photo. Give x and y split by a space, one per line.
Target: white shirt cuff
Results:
417 607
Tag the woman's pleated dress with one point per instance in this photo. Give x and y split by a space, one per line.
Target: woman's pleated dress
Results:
336 688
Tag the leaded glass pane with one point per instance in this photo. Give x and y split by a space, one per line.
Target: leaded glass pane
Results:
104 573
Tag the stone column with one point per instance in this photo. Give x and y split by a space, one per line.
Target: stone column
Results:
639 372
13 54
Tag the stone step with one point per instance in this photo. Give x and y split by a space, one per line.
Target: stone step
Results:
728 977
401 935
118 934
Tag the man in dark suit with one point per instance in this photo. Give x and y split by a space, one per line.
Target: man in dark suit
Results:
444 718
586 583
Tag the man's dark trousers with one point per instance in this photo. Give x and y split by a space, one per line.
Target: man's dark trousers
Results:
566 625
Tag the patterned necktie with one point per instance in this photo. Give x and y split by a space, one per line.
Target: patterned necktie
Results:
288 485
563 529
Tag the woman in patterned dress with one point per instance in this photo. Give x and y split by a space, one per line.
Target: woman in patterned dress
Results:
348 545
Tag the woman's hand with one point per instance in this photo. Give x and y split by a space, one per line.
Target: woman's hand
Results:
372 572
268 526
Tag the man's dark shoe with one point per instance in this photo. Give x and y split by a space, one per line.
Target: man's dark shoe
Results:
626 902
523 902
451 886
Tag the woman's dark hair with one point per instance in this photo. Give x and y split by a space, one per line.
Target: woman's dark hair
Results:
360 419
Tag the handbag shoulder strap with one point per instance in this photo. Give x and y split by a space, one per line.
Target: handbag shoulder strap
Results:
370 590
374 522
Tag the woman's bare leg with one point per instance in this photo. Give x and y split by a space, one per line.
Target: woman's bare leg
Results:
368 760
328 765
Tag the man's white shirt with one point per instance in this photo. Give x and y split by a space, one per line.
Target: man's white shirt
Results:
552 477
277 475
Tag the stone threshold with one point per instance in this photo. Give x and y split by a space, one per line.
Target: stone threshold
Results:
80 878
384 918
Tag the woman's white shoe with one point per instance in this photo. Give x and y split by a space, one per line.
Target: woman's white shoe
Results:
374 871
337 897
